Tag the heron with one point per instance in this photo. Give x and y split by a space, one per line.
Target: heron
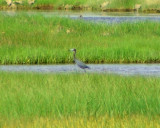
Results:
79 63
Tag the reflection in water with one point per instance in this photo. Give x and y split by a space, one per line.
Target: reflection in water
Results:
122 69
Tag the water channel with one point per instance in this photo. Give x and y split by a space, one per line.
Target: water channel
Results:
122 69
104 17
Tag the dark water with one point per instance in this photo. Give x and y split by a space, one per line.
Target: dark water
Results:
122 69
106 17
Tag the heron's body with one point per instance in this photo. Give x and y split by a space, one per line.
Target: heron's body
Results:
79 63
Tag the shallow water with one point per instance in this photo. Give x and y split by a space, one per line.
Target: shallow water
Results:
106 17
122 69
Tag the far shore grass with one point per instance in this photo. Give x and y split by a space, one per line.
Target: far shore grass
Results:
78 100
39 40
88 4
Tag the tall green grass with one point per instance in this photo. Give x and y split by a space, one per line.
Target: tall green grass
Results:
39 40
81 95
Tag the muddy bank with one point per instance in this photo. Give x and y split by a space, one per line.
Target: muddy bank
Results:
22 7
76 7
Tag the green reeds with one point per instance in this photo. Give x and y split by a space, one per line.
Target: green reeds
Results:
63 96
39 40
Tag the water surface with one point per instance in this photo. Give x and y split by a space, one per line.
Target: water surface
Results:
122 69
105 17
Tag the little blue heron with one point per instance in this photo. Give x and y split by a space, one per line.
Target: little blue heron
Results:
79 63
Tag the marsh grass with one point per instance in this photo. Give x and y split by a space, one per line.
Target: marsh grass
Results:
39 40
83 95
93 100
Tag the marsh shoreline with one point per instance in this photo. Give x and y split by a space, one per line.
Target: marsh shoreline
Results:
75 7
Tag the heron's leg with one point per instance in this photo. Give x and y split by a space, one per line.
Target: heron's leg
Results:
84 70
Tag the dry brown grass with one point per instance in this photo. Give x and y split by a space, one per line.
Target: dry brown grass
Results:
152 2
74 122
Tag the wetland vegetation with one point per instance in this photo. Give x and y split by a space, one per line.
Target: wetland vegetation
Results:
78 99
81 100
105 5
38 40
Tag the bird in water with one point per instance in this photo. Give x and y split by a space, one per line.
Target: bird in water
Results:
79 63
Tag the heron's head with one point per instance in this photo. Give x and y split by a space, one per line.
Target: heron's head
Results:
73 49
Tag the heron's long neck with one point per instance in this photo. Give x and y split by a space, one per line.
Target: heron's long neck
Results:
74 55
